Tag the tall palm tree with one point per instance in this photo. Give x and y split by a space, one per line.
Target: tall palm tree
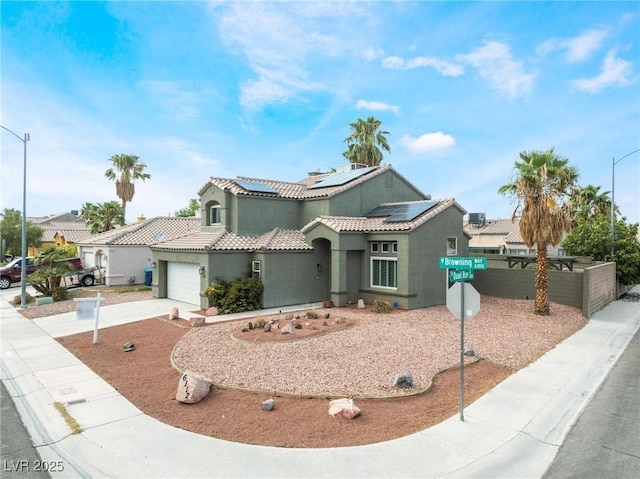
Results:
541 186
125 171
365 141
588 202
101 217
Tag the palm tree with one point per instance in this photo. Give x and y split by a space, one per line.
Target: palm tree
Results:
101 217
365 142
541 185
125 171
587 202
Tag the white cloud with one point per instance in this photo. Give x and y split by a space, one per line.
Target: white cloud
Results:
494 63
443 67
578 48
377 106
281 42
427 142
393 63
615 73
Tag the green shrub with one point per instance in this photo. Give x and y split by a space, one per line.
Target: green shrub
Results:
380 306
312 315
216 292
243 295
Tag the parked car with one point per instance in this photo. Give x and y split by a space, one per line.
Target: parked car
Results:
12 272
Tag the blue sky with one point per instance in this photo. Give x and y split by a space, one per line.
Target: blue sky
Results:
267 90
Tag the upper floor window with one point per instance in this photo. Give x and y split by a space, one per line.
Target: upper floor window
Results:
384 247
214 213
452 246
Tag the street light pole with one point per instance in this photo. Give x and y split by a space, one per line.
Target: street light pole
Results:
613 185
23 272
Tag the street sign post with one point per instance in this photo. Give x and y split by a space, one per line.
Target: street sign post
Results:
461 262
460 270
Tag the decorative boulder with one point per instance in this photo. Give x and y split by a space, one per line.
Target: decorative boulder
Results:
192 388
361 304
469 352
197 321
287 329
403 380
267 327
174 314
213 311
268 405
343 408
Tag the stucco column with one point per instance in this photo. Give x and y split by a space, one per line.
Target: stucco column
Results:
339 277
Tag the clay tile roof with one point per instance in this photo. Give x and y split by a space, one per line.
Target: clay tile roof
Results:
147 232
298 190
198 241
282 240
275 240
73 232
504 228
364 224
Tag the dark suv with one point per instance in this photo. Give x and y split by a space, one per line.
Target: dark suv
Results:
12 272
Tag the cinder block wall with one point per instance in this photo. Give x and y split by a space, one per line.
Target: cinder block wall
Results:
589 289
565 287
599 287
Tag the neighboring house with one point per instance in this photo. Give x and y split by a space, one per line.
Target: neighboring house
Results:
123 253
60 230
359 233
500 236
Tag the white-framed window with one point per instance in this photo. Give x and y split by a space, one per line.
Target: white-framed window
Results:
452 246
214 214
384 272
384 246
255 269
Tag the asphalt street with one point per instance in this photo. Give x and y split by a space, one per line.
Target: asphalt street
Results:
18 456
605 441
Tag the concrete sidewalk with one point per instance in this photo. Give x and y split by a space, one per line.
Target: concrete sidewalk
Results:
513 431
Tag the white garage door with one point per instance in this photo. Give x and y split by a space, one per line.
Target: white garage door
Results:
183 282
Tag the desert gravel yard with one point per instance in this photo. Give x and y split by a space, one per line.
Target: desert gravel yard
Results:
363 360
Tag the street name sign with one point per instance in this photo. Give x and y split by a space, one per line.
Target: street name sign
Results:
461 262
456 275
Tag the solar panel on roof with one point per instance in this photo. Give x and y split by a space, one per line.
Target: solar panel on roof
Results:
338 179
402 211
384 210
255 186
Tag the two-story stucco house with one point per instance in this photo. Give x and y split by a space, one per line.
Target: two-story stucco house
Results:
359 233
